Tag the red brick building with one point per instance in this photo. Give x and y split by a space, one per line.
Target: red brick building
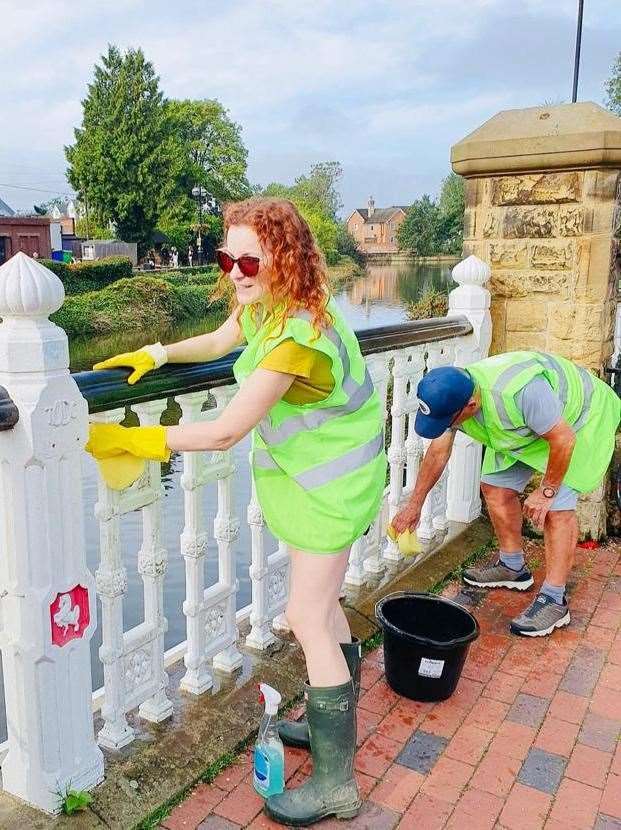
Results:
24 233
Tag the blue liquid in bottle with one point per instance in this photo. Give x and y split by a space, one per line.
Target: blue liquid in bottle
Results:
269 753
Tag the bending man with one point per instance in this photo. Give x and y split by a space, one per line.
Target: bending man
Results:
533 412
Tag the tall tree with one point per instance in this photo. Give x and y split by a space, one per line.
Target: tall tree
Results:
418 233
450 231
123 163
211 150
613 87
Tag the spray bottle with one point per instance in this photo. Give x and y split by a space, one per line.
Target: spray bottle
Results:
269 753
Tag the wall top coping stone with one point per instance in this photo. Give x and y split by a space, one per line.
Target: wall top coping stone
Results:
541 139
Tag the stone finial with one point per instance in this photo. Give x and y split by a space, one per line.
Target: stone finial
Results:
28 288
471 271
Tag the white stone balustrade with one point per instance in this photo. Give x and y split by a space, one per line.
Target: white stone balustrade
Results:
46 558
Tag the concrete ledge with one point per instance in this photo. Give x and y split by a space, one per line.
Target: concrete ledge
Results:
541 139
165 760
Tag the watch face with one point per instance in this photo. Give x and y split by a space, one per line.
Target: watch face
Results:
549 492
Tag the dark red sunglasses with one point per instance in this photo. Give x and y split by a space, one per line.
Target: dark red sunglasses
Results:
248 265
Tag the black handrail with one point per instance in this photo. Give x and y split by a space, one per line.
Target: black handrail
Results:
108 389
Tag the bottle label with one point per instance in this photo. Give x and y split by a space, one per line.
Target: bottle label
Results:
261 769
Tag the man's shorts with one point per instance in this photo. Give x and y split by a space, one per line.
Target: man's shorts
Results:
517 477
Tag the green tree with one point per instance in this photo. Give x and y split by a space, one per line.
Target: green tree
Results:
450 230
123 161
613 87
91 230
418 232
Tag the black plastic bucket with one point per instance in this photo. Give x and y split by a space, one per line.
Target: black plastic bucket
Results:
426 640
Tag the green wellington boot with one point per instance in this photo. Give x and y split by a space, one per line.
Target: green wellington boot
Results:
295 733
332 788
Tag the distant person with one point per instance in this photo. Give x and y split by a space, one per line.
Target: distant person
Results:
534 412
190 256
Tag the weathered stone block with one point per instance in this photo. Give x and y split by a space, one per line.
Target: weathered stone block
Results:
518 284
577 321
552 257
591 519
526 315
470 223
519 340
492 223
595 269
499 325
587 352
538 189
508 255
600 185
571 221
529 222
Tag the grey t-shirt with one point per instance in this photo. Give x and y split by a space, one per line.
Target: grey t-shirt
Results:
540 406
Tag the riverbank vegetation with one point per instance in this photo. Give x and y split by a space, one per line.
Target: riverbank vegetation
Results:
433 227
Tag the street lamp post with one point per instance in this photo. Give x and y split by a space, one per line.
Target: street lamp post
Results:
199 194
574 95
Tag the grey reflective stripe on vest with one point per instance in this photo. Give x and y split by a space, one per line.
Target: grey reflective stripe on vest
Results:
357 396
327 472
551 363
588 387
497 391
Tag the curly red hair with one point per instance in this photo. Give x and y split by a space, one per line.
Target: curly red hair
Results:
297 277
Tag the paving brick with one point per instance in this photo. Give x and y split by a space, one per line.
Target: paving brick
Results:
606 618
528 710
376 755
487 714
468 744
555 658
589 765
198 805
611 800
467 692
569 707
521 659
607 823
369 675
422 751
542 770
557 736
241 805
294 758
234 774
513 739
583 671
503 686
444 719
366 783
616 763
575 805
599 732
426 813
398 788
447 779
496 774
400 723
366 724
476 810
542 682
611 677
612 598
606 702
525 809
599 637
219 823
380 698
372 816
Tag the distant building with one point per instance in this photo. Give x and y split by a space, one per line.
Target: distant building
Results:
375 229
100 248
5 210
32 235
65 213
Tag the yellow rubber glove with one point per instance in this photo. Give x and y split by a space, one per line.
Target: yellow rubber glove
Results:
121 451
407 541
142 361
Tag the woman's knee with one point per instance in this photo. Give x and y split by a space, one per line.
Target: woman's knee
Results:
306 623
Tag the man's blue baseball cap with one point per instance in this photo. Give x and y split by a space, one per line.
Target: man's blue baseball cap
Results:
442 393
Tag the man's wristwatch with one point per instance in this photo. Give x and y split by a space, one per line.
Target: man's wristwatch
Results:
548 491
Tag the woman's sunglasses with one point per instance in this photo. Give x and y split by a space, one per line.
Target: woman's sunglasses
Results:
248 265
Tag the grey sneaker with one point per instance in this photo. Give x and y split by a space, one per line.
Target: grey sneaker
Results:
541 617
499 576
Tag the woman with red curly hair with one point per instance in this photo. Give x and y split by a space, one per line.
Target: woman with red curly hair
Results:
318 462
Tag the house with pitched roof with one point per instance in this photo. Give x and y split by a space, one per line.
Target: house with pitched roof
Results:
375 229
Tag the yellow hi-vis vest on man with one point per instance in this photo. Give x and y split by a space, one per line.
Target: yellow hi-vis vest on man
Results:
590 407
319 468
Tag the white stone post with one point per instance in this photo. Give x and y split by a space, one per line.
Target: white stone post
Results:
472 300
47 593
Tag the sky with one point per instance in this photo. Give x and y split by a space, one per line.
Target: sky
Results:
385 88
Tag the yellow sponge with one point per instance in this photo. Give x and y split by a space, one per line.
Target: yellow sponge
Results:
407 541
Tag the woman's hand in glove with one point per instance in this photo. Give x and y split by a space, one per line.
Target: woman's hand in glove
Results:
142 361
111 440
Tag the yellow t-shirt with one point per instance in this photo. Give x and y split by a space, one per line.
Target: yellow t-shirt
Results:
313 370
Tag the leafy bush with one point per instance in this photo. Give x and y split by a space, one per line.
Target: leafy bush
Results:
433 303
332 257
136 303
79 277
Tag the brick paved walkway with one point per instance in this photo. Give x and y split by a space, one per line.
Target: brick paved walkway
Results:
530 739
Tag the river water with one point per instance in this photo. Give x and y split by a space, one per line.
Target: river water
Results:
379 297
